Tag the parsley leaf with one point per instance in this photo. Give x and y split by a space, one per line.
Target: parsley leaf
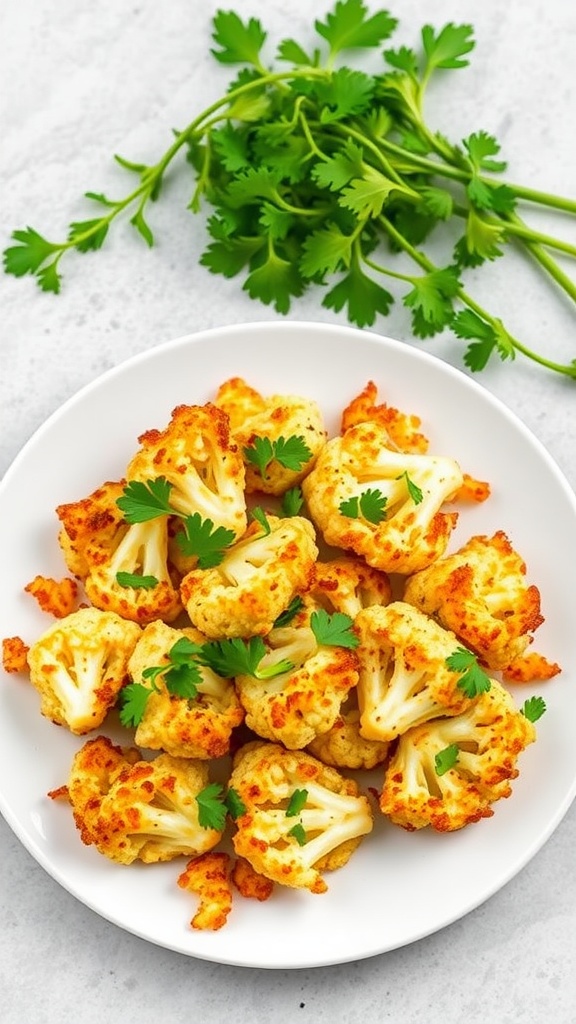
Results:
140 502
445 759
133 700
533 708
292 453
235 656
204 540
414 491
181 674
370 505
289 613
474 680
348 26
234 803
292 501
132 579
239 42
447 48
296 803
29 255
212 809
260 516
333 630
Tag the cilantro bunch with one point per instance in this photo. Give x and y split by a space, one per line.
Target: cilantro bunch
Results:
319 174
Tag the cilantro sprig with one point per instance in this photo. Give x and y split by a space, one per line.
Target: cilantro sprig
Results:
473 679
313 167
214 804
290 452
144 500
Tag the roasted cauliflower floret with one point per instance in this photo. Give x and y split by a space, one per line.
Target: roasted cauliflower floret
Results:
404 679
98 544
411 531
131 809
347 585
295 706
276 418
79 665
343 745
208 877
302 817
197 456
14 654
200 727
482 595
484 743
57 597
255 581
402 428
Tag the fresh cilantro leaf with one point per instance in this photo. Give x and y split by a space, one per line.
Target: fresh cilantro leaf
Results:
289 613
205 541
235 656
142 501
336 171
348 92
363 297
132 579
133 698
483 237
447 48
367 196
292 453
299 833
445 759
432 295
275 282
474 680
232 147
88 235
437 202
533 708
181 673
234 804
467 324
260 516
212 809
274 222
292 501
48 277
480 147
325 251
254 184
403 59
29 255
229 256
348 27
333 630
240 42
414 491
141 225
370 505
291 51
296 803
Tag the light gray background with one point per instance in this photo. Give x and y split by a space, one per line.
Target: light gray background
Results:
78 81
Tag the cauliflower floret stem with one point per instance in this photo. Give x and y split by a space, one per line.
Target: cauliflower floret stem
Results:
143 549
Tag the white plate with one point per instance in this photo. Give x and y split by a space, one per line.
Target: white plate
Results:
398 886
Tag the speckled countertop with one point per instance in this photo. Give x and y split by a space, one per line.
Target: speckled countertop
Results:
79 81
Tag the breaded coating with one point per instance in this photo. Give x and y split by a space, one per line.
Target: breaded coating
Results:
79 665
482 595
488 738
347 585
249 882
255 581
344 746
199 728
404 679
302 817
58 597
294 707
413 532
97 544
131 809
402 428
14 654
207 876
198 457
253 415
530 667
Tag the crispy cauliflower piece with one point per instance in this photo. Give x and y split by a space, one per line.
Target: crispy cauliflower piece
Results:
79 665
131 809
207 876
489 735
14 654
199 728
250 883
255 581
481 594
296 706
58 597
404 680
197 456
330 824
343 745
412 534
347 585
403 429
529 667
277 416
98 544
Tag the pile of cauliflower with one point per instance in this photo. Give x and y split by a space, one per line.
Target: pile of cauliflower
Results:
272 613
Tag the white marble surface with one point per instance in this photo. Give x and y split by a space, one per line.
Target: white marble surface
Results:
79 81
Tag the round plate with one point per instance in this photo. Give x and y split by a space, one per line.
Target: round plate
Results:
398 886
